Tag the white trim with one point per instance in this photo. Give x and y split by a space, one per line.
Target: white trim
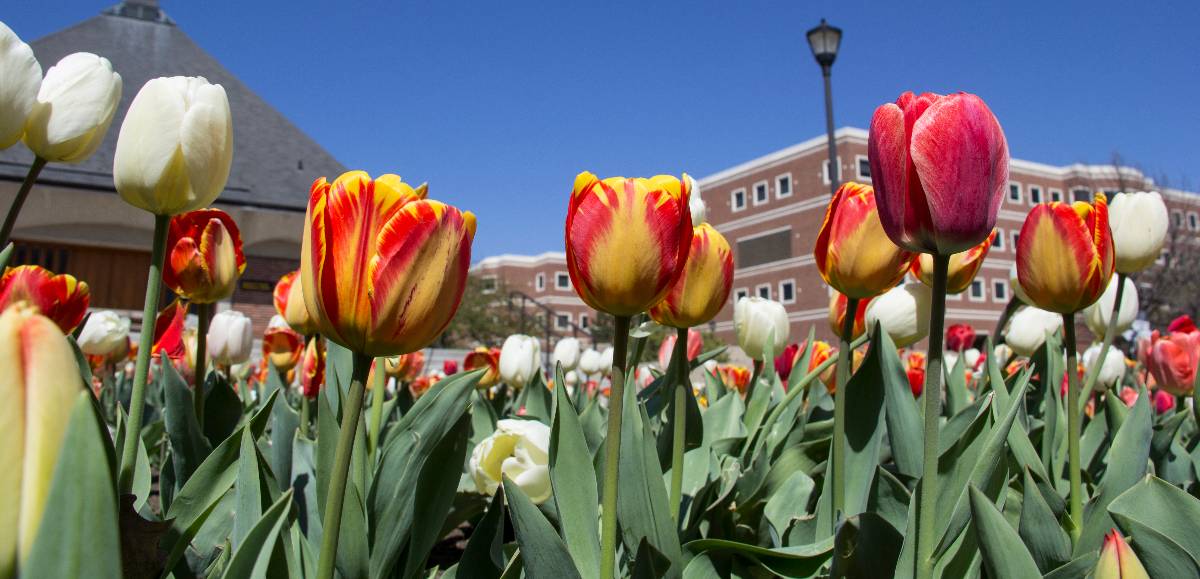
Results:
1015 237
782 295
970 293
858 159
997 283
1056 192
852 134
556 257
733 204
539 281
818 202
1193 221
1177 215
557 276
1088 194
766 189
758 290
1020 193
791 185
956 297
562 300
584 320
825 171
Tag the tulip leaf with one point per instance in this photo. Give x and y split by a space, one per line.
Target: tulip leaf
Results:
957 397
789 502
1004 555
538 399
142 476
484 555
543 553
6 255
904 425
189 447
328 427
303 484
436 489
222 408
889 499
573 480
284 424
339 364
1039 529
866 545
799 561
353 552
1154 505
864 425
253 557
642 496
78 535
251 495
1078 568
1127 460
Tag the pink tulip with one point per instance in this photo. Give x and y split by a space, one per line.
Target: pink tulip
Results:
694 343
960 337
785 361
940 167
1162 401
1172 359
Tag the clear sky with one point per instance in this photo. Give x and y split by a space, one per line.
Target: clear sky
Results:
499 104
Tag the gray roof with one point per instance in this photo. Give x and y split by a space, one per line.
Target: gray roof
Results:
274 162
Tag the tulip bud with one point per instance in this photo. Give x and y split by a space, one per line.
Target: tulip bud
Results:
1097 315
963 266
903 312
756 321
696 205
567 353
230 338
282 345
1172 359
105 334
449 367
1065 255
837 315
852 253
1139 224
60 297
606 360
735 377
591 362
1028 327
405 367
520 359
1117 560
915 368
519 451
1111 370
485 358
312 368
175 146
74 107
289 303
205 256
39 381
703 285
22 78
959 337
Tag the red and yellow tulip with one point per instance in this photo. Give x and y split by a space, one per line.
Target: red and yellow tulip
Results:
853 254
1065 255
703 286
283 347
963 266
837 315
168 333
484 358
627 240
383 268
735 377
204 259
289 303
405 367
312 368
60 297
1117 560
916 372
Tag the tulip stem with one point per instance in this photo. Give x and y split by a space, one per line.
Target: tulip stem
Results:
305 415
377 393
1073 427
335 498
1093 373
15 209
612 451
203 317
141 370
679 423
838 452
927 502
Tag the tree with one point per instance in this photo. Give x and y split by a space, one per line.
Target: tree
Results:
487 316
1168 290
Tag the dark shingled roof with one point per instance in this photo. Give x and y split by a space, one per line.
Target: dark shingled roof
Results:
274 162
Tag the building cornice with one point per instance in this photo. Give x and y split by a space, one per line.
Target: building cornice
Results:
516 260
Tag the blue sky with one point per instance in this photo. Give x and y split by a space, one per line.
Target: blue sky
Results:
499 104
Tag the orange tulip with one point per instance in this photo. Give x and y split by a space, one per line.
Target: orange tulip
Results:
627 240
383 268
289 303
405 367
1065 255
312 368
963 266
853 254
484 358
735 377
703 285
837 315
283 346
916 372
60 297
205 256
168 332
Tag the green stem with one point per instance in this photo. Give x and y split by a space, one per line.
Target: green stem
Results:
141 370
612 451
926 512
203 317
1073 428
1093 373
377 393
336 495
15 209
678 423
305 415
838 451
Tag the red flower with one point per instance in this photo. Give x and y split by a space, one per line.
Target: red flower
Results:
1172 359
786 360
837 315
204 259
695 342
449 367
1183 324
916 373
61 297
959 337
484 358
168 331
312 366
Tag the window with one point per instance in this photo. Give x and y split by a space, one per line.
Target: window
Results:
864 167
489 284
539 282
787 291
740 293
763 291
760 192
1082 195
1193 221
1016 236
1014 192
998 241
825 172
1000 290
1035 194
562 280
737 200
562 321
764 248
583 321
1056 195
783 186
976 292
1176 218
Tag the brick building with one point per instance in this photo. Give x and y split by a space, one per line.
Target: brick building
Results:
541 286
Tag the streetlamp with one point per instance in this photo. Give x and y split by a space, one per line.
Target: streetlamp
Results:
824 41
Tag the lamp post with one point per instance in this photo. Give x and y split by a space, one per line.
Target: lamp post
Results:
824 41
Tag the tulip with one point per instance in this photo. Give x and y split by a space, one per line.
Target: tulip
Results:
282 345
627 240
312 370
940 168
1163 401
383 268
837 315
484 358
695 342
1117 560
1111 370
1028 328
703 285
1065 255
1183 324
916 372
591 362
60 297
852 253
420 385
1139 229
205 256
39 382
963 266
903 312
405 367
606 360
959 337
230 338
760 323
74 107
1172 359
289 303
1098 315
696 205
449 367
785 361
105 334
519 451
735 377
567 353
168 337
22 77
520 359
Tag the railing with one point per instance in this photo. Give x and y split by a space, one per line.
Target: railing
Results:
525 300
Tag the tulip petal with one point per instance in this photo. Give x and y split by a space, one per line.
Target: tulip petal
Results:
60 297
902 214
205 136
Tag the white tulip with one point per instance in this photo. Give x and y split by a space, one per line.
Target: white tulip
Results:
175 146
230 338
105 334
606 360
567 353
902 312
74 107
520 358
1139 224
1111 371
1002 353
571 378
1097 315
696 203
1028 327
20 78
278 323
755 320
1015 284
970 358
591 362
517 450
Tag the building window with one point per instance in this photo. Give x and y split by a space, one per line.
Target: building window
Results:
998 241
1000 290
1016 236
1193 221
1176 218
1082 195
787 291
737 200
864 167
1056 195
562 321
562 280
583 321
539 282
783 186
764 248
977 292
1014 192
760 192
763 291
825 172
1035 194
489 284
740 293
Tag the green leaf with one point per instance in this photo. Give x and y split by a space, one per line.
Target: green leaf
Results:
354 552
799 561
484 555
303 484
222 408
78 535
574 482
1154 512
248 492
284 424
1078 568
957 397
189 447
253 557
1004 555
328 427
436 488
904 424
339 364
865 423
889 499
789 502
642 496
543 553
866 546
1048 544
1127 459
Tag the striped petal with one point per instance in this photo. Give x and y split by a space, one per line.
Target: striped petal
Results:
1065 255
206 258
852 253
703 287
62 298
963 266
